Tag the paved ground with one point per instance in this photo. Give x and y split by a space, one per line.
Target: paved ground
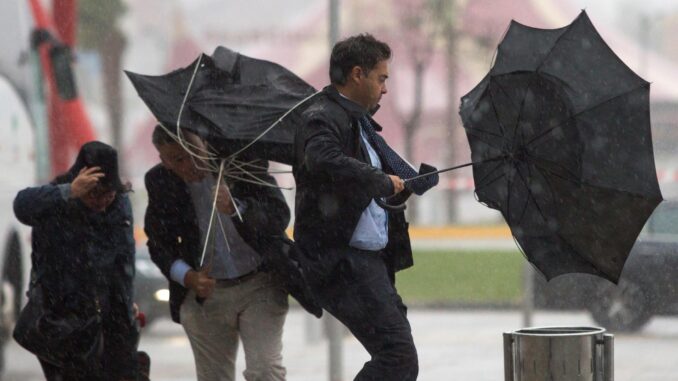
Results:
453 345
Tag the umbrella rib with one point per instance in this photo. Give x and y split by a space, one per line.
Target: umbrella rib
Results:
186 144
565 241
480 182
473 132
199 162
531 196
556 42
602 103
241 168
506 93
230 196
541 119
579 182
274 124
204 165
251 175
249 163
549 130
527 200
496 114
272 172
221 225
511 100
212 214
477 129
522 107
180 140
256 182
537 70
573 179
486 132
487 184
261 168
509 185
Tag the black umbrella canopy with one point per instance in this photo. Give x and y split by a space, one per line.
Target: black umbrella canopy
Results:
232 101
561 129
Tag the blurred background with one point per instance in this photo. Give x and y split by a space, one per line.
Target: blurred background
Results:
467 264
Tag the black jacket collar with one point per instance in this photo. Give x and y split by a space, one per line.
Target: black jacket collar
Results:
353 109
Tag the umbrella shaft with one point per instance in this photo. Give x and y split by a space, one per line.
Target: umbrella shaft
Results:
452 168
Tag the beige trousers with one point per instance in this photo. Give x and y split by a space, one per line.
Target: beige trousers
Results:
253 312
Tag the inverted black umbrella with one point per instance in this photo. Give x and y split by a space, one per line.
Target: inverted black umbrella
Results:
559 132
238 104
233 101
246 109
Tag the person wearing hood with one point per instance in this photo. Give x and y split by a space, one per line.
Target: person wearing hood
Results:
83 261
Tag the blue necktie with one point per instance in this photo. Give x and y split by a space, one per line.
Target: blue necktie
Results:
399 166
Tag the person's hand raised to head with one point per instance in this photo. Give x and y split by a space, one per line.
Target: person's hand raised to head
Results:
87 179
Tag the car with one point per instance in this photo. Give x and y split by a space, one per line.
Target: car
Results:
151 289
648 285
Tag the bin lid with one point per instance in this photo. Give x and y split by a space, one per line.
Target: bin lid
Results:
559 331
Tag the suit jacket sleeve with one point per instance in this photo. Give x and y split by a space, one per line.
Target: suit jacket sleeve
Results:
323 152
157 225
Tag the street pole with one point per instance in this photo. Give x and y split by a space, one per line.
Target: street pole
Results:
528 294
333 327
334 331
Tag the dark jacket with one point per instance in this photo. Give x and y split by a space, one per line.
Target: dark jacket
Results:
172 226
76 250
335 182
79 255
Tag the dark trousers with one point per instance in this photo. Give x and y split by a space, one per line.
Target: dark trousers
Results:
359 292
119 360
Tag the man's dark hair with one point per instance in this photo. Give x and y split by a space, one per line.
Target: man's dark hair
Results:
362 50
161 137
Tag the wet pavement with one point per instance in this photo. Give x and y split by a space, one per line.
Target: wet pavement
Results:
453 345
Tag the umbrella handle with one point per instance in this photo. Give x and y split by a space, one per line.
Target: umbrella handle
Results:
390 208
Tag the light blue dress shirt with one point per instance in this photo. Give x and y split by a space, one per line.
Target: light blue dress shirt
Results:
232 256
371 233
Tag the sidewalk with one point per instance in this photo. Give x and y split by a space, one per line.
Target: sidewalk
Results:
463 345
468 345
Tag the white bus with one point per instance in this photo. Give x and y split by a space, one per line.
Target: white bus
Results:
18 161
18 170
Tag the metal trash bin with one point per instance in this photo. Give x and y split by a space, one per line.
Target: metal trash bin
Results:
559 354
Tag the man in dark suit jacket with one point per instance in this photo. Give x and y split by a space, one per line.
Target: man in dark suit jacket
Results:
351 247
231 297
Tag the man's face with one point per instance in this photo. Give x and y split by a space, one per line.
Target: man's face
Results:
177 160
373 85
